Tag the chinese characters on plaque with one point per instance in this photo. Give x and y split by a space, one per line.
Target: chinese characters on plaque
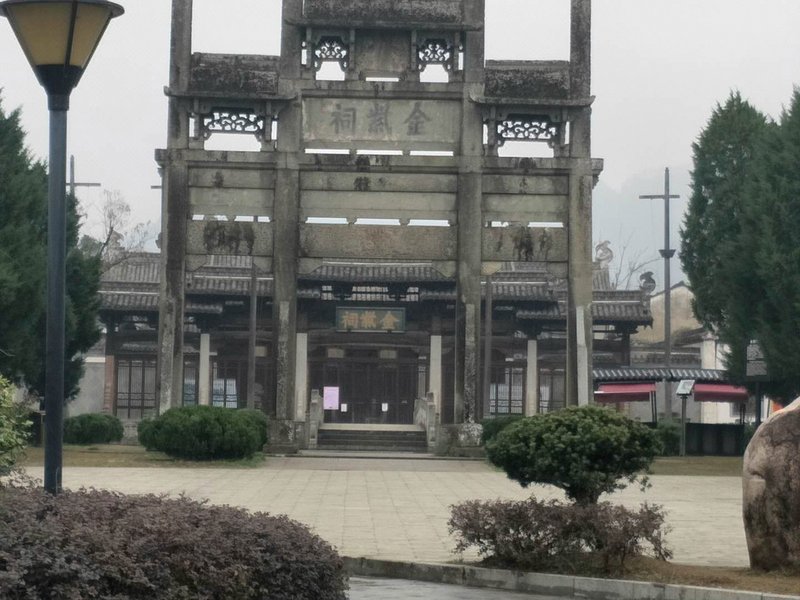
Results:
397 123
344 119
392 320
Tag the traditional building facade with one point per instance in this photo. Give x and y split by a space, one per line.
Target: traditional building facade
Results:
378 222
382 335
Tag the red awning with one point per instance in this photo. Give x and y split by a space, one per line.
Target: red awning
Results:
719 392
624 392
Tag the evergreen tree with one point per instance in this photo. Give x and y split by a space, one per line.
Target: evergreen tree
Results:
741 237
772 231
23 266
714 252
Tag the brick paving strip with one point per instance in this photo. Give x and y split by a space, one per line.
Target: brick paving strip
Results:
398 509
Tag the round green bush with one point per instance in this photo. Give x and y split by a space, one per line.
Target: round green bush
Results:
585 451
92 428
491 427
259 421
204 433
99 544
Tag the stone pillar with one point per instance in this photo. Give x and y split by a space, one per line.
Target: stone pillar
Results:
301 377
204 371
581 181
435 371
285 223
708 352
470 226
709 411
109 388
174 211
532 379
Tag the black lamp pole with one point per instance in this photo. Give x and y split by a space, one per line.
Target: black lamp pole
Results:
58 38
56 292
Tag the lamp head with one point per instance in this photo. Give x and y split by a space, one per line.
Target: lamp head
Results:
59 38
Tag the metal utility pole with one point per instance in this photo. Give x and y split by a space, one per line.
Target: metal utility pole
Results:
252 333
72 184
487 349
666 253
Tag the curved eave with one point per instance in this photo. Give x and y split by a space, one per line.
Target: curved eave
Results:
541 103
228 97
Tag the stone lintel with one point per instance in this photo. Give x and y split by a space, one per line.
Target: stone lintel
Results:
395 13
234 73
528 79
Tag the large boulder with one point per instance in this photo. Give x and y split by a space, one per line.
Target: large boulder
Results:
771 486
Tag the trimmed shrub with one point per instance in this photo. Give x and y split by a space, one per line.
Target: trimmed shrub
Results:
535 534
491 427
98 544
586 451
259 420
14 426
204 433
669 434
93 428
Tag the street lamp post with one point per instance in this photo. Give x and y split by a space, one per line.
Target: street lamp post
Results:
58 38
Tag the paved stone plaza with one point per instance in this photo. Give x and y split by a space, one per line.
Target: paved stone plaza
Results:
395 508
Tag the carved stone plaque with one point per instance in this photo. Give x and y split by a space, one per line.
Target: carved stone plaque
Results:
378 124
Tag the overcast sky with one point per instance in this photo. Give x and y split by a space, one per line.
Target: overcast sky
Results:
659 67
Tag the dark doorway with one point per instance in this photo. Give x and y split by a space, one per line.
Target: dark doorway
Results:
374 387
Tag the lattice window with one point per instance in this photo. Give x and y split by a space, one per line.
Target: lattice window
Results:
233 120
527 128
507 390
136 388
331 49
436 52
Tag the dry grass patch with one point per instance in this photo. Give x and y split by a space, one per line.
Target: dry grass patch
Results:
115 455
649 569
776 582
707 466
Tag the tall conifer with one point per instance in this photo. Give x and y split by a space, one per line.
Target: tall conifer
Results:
719 266
23 262
773 235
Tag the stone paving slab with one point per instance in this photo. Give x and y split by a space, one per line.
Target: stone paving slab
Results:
363 588
398 509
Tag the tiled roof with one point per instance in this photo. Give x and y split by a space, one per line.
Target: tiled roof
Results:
377 273
133 285
602 311
148 302
121 301
137 270
227 284
658 374
501 290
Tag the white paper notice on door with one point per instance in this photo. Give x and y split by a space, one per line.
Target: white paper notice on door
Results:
343 407
330 398
385 407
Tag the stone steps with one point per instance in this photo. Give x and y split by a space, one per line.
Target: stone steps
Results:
387 441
